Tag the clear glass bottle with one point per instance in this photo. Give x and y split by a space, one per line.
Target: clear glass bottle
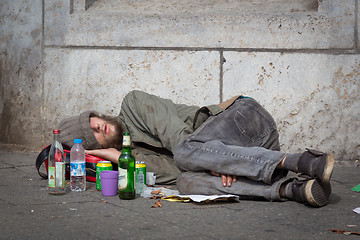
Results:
56 166
77 167
126 182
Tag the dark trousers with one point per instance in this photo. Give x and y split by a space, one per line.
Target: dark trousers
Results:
241 141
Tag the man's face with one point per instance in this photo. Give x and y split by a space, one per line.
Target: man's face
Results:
104 131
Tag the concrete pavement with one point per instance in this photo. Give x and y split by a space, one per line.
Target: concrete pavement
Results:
29 212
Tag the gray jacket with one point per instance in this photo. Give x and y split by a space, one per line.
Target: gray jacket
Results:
157 125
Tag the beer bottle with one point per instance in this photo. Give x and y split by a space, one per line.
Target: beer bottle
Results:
126 170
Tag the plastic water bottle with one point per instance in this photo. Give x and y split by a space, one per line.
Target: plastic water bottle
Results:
77 167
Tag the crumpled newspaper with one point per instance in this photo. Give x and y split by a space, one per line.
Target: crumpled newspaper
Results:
201 198
175 196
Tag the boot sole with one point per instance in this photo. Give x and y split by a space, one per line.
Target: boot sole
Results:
328 170
317 194
317 165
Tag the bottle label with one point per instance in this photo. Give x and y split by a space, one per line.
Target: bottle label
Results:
57 175
122 183
126 141
77 169
51 172
60 174
140 177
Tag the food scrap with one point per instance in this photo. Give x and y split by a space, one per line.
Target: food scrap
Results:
157 204
156 192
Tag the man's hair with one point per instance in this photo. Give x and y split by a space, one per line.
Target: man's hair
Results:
116 140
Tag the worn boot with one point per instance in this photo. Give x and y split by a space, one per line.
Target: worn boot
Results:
317 165
308 191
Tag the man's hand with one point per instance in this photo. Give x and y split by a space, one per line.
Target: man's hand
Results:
110 154
227 180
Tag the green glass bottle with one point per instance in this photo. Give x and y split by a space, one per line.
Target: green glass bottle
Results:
126 170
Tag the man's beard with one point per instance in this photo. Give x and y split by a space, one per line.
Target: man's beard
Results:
116 140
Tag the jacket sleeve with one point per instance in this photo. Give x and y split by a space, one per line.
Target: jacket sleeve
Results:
156 121
161 165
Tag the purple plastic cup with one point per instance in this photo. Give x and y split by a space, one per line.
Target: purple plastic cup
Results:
109 182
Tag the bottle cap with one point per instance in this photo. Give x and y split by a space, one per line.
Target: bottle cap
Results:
77 140
56 131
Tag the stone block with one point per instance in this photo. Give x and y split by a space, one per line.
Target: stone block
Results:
78 80
314 98
20 72
283 24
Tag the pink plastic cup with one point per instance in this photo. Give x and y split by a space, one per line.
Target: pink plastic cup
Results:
109 183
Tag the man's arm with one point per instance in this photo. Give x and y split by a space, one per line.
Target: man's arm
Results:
162 165
110 154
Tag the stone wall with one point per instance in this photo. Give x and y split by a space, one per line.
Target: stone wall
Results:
298 58
21 81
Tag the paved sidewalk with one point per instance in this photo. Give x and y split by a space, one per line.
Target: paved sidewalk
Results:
29 212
